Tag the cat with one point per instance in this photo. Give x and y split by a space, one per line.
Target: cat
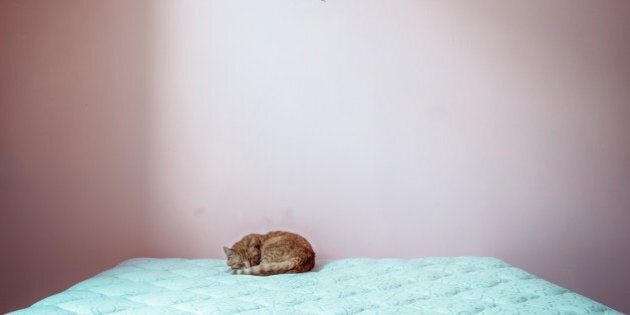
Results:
269 254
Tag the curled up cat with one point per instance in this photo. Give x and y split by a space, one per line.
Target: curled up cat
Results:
269 254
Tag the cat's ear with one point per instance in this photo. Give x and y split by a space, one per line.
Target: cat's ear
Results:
228 252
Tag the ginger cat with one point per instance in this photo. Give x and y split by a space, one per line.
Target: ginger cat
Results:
269 254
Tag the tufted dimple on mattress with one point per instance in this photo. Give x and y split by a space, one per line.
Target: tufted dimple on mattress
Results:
459 285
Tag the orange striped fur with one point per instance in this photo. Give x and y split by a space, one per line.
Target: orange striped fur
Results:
269 254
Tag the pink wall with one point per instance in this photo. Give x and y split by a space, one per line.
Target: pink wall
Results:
72 142
418 128
408 129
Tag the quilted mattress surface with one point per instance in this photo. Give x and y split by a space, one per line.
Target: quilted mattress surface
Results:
459 285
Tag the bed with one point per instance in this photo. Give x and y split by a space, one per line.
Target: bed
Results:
455 285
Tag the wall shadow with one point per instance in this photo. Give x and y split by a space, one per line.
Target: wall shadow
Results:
73 141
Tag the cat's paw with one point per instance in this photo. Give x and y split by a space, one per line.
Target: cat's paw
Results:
243 271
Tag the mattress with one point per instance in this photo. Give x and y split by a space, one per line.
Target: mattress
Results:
456 285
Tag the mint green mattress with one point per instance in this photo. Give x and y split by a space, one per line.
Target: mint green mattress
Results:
459 285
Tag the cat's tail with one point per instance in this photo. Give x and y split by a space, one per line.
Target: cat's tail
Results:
270 268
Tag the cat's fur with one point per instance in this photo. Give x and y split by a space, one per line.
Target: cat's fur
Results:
272 253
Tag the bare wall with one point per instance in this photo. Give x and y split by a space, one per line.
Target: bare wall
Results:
72 142
398 128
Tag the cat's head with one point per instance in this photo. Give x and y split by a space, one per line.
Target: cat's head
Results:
238 258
